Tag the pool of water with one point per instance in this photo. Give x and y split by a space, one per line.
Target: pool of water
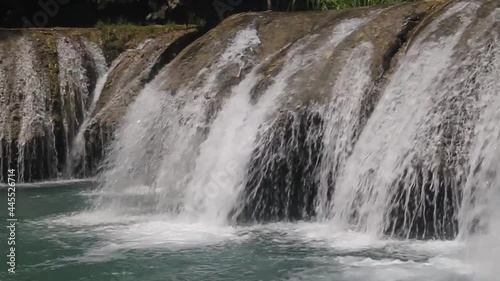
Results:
58 238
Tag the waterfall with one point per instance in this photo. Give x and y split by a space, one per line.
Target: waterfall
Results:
77 153
126 77
481 179
4 124
75 77
35 115
480 211
26 135
101 67
371 135
400 163
46 94
191 155
165 131
327 127
267 186
344 118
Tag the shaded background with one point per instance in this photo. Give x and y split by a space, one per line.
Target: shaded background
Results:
87 13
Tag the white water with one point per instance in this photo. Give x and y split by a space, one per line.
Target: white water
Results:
219 176
309 54
35 108
101 67
480 212
4 123
167 130
77 98
434 129
77 153
32 124
74 87
403 131
31 105
343 116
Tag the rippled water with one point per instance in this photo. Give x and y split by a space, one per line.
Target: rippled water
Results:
59 240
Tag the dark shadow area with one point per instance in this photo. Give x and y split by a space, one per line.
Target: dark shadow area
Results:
86 13
426 209
282 175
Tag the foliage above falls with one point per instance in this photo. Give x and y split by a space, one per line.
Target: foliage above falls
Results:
17 13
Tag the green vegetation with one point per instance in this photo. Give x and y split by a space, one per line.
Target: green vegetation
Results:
323 5
118 37
13 13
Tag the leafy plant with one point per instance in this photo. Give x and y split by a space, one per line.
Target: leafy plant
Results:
323 5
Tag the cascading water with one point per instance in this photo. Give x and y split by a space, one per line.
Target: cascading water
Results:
344 120
122 85
480 211
75 85
261 151
361 146
46 88
78 151
35 110
192 158
101 67
4 124
283 164
168 129
309 131
29 125
400 177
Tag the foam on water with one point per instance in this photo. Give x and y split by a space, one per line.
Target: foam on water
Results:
398 270
118 233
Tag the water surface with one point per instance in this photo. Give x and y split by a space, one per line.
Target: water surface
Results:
60 239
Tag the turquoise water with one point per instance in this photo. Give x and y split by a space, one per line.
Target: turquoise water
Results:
58 239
